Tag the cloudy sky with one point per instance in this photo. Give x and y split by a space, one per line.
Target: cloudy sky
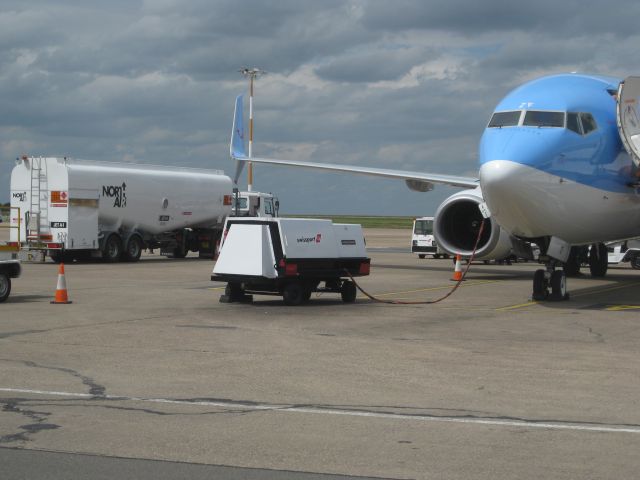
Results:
397 84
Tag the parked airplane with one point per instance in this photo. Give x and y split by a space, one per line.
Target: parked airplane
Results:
559 167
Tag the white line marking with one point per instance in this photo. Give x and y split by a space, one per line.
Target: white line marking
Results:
589 427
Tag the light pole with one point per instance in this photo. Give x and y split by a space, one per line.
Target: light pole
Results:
252 73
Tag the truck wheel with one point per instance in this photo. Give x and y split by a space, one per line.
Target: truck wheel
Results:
55 255
179 252
348 292
421 256
5 286
293 294
133 250
112 249
635 262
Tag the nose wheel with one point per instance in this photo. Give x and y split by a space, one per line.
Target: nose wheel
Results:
549 284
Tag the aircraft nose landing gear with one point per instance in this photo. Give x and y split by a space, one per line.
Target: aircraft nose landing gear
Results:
550 284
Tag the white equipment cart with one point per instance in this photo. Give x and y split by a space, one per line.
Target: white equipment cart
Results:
290 257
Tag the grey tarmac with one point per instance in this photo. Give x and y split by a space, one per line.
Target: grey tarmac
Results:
147 370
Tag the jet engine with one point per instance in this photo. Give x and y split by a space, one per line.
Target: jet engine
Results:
457 223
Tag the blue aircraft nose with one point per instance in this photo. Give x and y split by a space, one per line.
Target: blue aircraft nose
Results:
534 147
513 176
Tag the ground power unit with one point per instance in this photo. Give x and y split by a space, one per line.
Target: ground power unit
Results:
289 257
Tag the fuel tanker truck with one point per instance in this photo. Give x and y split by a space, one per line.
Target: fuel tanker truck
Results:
75 209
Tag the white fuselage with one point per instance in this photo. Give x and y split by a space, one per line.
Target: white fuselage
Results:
531 203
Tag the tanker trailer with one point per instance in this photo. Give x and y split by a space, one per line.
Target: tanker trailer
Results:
75 209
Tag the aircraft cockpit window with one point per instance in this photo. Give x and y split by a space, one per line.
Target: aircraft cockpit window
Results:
588 123
538 118
505 119
573 123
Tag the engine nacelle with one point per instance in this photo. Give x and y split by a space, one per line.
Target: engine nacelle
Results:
456 225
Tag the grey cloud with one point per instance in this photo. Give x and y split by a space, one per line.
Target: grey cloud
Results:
469 18
371 65
154 82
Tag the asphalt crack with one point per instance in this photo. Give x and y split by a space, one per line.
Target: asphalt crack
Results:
95 389
38 421
38 418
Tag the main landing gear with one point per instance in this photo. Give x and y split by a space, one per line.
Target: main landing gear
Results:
551 284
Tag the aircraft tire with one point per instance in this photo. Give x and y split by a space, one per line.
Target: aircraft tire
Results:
598 260
540 290
558 285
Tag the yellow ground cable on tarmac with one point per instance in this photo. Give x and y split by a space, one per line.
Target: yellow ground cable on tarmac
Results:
425 302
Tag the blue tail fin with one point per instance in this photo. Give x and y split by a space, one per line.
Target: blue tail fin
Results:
237 135
236 148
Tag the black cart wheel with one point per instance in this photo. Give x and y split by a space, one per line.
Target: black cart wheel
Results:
293 294
234 292
5 286
348 291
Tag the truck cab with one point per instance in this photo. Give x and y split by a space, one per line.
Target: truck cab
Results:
254 204
423 241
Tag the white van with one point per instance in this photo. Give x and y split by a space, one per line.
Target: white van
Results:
422 240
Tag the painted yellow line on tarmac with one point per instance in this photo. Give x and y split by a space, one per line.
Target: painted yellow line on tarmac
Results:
443 287
610 289
590 292
515 307
621 308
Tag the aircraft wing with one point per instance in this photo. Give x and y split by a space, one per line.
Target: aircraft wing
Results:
419 181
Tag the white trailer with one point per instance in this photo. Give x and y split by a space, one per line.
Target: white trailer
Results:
74 209
290 257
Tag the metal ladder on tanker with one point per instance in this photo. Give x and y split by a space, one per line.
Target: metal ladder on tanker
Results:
38 222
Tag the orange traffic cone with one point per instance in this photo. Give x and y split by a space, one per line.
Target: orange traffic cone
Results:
457 272
61 289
